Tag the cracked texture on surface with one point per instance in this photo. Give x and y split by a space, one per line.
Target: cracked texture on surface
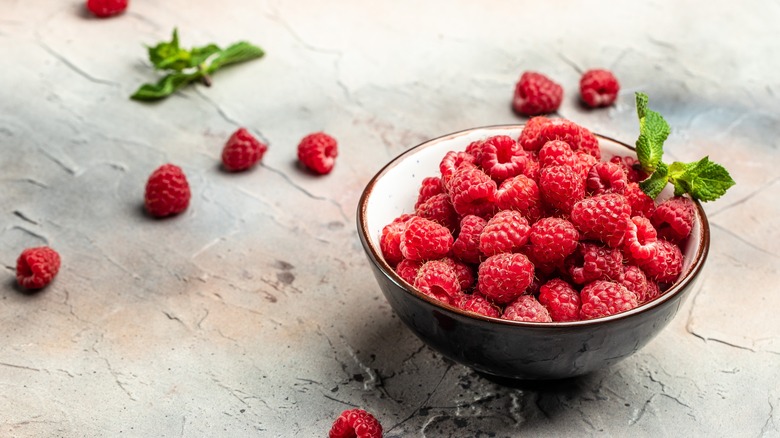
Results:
254 313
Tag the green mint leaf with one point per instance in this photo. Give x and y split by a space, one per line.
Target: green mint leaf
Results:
641 104
703 180
169 56
238 52
653 131
654 184
165 86
199 55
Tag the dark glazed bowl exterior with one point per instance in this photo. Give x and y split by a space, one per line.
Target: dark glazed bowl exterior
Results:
514 349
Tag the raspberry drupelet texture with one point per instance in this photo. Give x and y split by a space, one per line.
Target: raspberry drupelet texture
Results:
641 204
673 218
526 308
479 304
520 193
466 246
37 267
439 280
429 187
507 231
578 137
599 88
472 191
666 265
635 280
556 153
475 150
561 187
167 191
407 269
529 136
602 217
591 262
355 423
318 152
242 151
451 163
106 8
462 271
502 157
584 163
439 209
603 298
504 277
631 167
390 239
552 240
561 300
423 239
639 242
536 94
606 177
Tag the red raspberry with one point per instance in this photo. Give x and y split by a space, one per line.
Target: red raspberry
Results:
37 267
504 277
407 269
666 265
536 94
585 162
556 153
462 272
355 423
451 163
479 304
598 88
578 137
318 152
438 208
526 308
631 167
552 240
521 194
502 157
653 291
641 204
591 262
606 177
634 279
472 191
603 298
529 136
167 191
640 238
438 279
561 187
242 151
602 217
673 218
466 246
390 239
507 231
475 150
532 169
106 8
561 300
429 187
424 240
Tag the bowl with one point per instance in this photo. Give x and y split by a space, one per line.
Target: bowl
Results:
510 349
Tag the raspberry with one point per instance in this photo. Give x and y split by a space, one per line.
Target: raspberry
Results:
603 298
653 291
552 239
355 423
242 151
634 279
390 239
318 152
507 231
666 265
37 267
529 136
472 191
462 272
526 308
561 300
641 204
585 162
532 169
673 218
556 153
407 269
602 217
591 262
167 191
561 187
106 8
502 157
640 238
598 88
424 240
606 177
429 187
475 150
578 137
521 194
631 167
479 304
451 163
536 94
504 277
438 208
437 279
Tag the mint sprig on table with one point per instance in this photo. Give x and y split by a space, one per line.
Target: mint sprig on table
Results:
183 67
703 180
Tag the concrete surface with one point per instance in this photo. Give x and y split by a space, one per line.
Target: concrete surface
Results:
255 312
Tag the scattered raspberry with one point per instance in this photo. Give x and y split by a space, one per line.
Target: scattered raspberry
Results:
429 187
479 304
561 300
242 151
673 218
425 240
504 277
167 191
466 246
552 240
602 217
451 163
606 177
634 279
502 157
526 308
355 423
536 94
578 137
641 204
631 167
640 238
106 8
318 152
556 153
462 272
598 88
666 265
529 136
439 209
390 239
37 267
507 231
407 269
603 298
521 194
561 187
472 191
438 279
591 262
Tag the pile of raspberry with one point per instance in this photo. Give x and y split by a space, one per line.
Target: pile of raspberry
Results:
538 228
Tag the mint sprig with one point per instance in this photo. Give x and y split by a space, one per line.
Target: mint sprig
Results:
183 67
703 180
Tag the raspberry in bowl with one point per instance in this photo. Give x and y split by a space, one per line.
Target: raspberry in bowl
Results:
531 271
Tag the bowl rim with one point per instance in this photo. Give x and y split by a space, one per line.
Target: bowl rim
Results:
378 260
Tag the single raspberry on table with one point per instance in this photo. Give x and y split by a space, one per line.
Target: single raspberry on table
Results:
390 239
466 246
526 308
536 94
606 177
429 187
438 280
472 191
439 209
504 277
477 303
317 152
603 298
556 153
502 157
408 269
552 240
598 88
167 191
37 267
673 218
529 136
106 8
666 265
635 280
561 300
507 231
641 204
561 187
590 262
355 423
578 137
639 241
451 163
242 151
602 217
520 193
423 239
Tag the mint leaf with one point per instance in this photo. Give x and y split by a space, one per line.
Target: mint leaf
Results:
653 131
168 55
654 184
200 55
703 180
165 86
238 52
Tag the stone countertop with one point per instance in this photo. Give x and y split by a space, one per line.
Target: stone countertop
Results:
255 312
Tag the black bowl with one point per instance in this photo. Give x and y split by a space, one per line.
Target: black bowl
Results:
510 349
